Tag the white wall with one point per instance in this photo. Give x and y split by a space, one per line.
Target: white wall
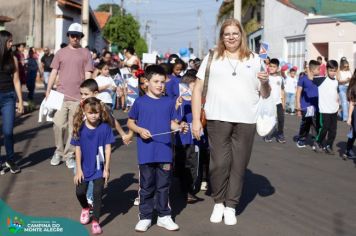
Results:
340 37
62 24
281 21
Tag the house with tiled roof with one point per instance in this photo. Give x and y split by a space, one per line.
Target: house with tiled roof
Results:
44 23
299 31
3 20
102 18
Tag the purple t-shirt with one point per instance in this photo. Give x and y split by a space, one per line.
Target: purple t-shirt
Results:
185 114
309 96
71 65
92 145
154 115
172 86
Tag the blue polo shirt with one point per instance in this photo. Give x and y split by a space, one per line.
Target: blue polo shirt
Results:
92 145
154 115
309 96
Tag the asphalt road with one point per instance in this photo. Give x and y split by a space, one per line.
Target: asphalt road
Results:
288 191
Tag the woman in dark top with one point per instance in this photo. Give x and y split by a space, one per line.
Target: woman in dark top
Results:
9 85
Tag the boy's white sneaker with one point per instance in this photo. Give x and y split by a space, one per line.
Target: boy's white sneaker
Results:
204 186
143 225
167 223
217 214
137 201
230 216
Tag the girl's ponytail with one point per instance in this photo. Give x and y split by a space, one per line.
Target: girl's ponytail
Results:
105 115
78 120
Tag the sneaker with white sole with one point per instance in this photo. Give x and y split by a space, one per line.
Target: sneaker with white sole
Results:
56 160
2 171
204 186
95 228
14 169
143 225
167 223
217 214
84 216
70 162
230 216
137 201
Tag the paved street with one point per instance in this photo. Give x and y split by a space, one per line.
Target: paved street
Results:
288 191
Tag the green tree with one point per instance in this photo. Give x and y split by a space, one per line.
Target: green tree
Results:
116 9
122 31
141 47
250 23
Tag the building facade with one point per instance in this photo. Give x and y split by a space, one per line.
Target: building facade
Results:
44 23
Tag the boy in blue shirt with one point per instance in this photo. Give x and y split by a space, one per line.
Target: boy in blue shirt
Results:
307 103
152 117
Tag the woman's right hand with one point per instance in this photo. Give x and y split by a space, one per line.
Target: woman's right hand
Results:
79 177
197 129
349 121
20 108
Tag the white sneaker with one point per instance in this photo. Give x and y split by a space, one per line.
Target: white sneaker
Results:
2 171
137 201
143 225
70 163
217 214
204 186
230 216
56 160
167 223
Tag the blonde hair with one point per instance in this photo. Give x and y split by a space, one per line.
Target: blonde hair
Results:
244 51
94 105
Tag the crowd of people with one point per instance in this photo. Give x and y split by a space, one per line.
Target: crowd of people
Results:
321 95
164 104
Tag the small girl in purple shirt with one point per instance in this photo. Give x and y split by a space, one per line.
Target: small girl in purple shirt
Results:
92 138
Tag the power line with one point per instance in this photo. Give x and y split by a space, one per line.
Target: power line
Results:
177 32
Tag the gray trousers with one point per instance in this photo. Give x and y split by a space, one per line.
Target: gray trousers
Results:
230 151
63 128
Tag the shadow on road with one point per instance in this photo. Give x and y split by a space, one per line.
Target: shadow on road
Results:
254 184
36 157
118 201
177 199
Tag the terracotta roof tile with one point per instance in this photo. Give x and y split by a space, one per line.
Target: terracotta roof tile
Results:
5 19
102 17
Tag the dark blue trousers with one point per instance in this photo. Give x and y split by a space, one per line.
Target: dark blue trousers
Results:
155 180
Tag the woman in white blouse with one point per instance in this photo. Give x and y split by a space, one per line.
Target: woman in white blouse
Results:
235 85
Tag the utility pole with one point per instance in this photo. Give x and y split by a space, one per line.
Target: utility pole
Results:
85 22
122 7
147 35
200 44
237 10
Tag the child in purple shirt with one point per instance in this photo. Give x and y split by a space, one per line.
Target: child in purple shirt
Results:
152 117
307 103
92 138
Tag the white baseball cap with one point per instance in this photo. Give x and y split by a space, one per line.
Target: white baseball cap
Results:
75 28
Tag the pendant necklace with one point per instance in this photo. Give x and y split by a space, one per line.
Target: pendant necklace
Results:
233 67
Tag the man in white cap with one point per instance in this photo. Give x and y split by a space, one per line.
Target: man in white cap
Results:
73 64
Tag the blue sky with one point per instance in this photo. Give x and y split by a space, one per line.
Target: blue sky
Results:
173 22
